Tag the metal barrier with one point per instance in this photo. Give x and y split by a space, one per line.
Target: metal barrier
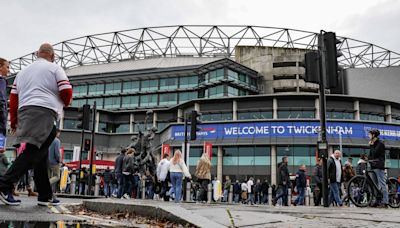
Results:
270 196
73 184
188 186
289 197
143 188
230 195
307 198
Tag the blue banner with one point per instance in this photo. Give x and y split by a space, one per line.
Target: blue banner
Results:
288 129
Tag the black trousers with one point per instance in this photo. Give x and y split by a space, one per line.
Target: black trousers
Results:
32 157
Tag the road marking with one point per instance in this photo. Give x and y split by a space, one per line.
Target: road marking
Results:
54 210
64 210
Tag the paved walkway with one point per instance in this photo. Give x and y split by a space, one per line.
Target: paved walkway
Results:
217 215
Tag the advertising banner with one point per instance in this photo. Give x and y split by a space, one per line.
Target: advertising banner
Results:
166 149
207 148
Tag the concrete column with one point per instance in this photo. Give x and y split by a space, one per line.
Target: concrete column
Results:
61 121
197 107
219 164
180 116
234 110
97 122
131 120
357 110
388 113
273 165
317 109
275 109
155 118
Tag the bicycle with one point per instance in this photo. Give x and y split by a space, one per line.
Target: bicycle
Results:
364 191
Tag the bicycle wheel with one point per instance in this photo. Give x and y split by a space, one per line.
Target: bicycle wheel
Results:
394 197
359 191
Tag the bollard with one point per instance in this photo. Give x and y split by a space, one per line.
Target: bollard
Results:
209 193
311 198
269 196
97 186
307 198
289 198
188 186
143 189
73 184
230 195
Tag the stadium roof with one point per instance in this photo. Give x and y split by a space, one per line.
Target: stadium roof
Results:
201 41
142 64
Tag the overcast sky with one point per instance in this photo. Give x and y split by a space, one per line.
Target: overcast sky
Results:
25 24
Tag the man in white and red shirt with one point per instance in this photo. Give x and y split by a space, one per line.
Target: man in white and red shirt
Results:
37 98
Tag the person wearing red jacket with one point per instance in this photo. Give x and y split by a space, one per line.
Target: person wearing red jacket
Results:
38 95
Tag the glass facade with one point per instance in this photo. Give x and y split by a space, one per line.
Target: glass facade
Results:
188 82
340 115
372 117
217 116
217 91
149 85
187 96
196 152
99 102
168 99
297 155
216 75
254 115
96 89
113 88
233 92
80 90
78 102
296 114
148 100
112 102
130 102
108 127
131 86
168 83
233 75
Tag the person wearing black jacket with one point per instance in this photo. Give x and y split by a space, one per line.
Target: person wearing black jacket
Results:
301 182
335 176
317 176
118 172
107 175
236 191
283 181
377 160
264 191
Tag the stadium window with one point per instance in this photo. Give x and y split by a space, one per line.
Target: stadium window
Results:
296 114
222 116
232 92
78 103
254 115
187 96
149 85
148 100
233 75
217 91
168 83
216 75
112 102
339 115
188 82
80 90
96 89
396 119
168 99
372 117
113 88
131 86
99 102
130 102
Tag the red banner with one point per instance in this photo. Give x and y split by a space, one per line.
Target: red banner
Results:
62 153
208 149
166 149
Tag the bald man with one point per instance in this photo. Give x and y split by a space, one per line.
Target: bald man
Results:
335 177
37 98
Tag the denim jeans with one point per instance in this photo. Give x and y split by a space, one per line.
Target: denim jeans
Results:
107 189
300 198
380 174
251 198
264 199
334 193
237 198
120 180
176 181
283 194
226 193
127 189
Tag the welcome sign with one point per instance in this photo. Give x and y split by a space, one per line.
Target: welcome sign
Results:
288 129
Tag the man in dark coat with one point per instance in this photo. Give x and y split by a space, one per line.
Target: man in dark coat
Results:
301 182
283 181
118 172
377 160
107 175
317 177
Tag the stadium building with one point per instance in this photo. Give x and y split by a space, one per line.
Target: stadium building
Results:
246 81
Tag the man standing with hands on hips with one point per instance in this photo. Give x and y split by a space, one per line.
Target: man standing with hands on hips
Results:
38 95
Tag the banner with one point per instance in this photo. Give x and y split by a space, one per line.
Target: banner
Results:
207 148
165 149
288 129
62 154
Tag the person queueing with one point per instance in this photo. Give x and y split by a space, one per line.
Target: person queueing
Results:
335 175
54 161
177 169
163 177
203 174
38 95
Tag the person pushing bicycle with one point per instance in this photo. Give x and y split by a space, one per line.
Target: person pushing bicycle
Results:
376 158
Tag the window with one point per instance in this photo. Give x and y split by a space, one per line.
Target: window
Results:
187 96
340 115
253 83
297 155
131 86
217 116
99 102
80 90
216 75
217 91
149 85
113 88
296 114
71 123
195 154
243 79
112 102
247 156
161 125
232 92
122 128
168 83
78 103
372 117
130 102
168 99
233 75
396 119
96 89
139 126
148 100
254 115
188 82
